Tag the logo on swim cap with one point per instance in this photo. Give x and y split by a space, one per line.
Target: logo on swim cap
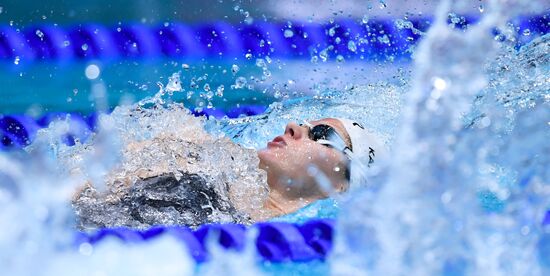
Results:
357 124
371 156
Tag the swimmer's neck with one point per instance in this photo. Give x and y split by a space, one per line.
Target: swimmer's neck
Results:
279 204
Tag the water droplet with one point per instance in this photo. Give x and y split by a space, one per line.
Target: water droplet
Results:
234 68
323 55
86 249
40 34
174 83
260 62
84 47
314 59
403 24
288 33
337 40
481 8
240 82
439 83
92 71
351 46
219 91
365 19
185 66
248 56
66 43
340 58
209 95
16 61
384 39
332 31
526 32
454 18
383 4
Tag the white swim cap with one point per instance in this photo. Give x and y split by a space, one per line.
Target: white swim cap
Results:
367 151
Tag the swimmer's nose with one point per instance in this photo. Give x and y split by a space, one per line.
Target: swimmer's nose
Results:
295 131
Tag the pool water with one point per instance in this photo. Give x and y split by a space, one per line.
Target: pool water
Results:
67 88
466 190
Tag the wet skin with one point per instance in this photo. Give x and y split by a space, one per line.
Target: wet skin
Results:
287 158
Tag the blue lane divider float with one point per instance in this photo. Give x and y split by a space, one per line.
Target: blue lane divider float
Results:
276 241
373 40
20 130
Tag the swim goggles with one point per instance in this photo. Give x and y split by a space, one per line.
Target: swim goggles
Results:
327 136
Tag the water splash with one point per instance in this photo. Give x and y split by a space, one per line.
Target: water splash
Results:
425 216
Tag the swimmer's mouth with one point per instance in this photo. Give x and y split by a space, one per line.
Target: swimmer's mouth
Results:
277 142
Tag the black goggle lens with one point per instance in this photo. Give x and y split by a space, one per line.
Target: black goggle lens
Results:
321 132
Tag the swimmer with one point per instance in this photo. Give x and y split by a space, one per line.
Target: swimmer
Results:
308 162
313 152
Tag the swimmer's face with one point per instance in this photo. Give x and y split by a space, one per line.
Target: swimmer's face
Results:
291 159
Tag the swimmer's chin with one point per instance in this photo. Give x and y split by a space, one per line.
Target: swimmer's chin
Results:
265 157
